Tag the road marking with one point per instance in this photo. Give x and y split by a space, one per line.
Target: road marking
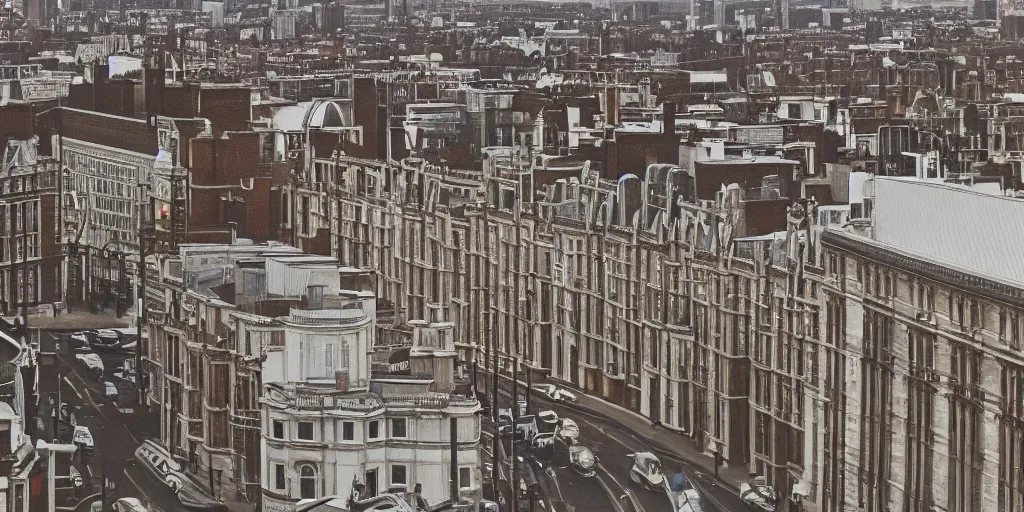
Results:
73 388
611 495
628 492
153 507
612 436
88 396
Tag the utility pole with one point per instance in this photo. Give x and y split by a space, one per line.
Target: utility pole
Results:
492 351
24 267
140 306
492 348
515 417
453 430
11 251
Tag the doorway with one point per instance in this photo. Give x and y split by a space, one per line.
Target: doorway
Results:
371 483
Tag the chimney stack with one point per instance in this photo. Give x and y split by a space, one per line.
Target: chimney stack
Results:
668 116
611 110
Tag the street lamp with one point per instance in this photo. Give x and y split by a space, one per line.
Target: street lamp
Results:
52 449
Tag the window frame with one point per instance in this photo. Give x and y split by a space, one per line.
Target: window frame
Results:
304 478
405 428
280 477
312 431
466 483
405 475
373 425
348 431
273 429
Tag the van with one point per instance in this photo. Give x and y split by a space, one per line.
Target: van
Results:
93 363
110 391
82 438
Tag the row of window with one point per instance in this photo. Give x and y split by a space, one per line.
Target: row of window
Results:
399 477
305 430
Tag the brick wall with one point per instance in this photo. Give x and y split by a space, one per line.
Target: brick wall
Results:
107 130
17 121
232 161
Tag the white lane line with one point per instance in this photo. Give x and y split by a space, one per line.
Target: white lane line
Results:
73 388
611 494
627 492
88 397
153 507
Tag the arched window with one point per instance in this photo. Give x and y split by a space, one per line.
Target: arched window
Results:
307 482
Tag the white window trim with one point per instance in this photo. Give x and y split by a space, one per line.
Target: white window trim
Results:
378 422
297 430
391 475
284 429
273 477
391 427
469 485
353 438
316 484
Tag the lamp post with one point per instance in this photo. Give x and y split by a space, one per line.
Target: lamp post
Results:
51 450
140 312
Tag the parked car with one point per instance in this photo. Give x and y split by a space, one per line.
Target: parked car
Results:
110 391
568 430
77 339
646 471
758 495
555 393
82 438
522 428
93 363
159 462
547 421
76 477
128 505
106 340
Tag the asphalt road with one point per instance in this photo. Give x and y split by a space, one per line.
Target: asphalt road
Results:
116 434
564 490
613 446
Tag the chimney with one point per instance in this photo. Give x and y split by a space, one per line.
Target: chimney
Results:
611 110
668 116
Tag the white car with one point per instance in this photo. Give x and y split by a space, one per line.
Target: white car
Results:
93 363
555 393
568 430
548 420
646 470
758 494
82 437
129 505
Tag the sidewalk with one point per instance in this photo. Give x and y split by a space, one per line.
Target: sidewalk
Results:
78 319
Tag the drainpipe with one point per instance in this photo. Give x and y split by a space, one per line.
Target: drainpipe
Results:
454 473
